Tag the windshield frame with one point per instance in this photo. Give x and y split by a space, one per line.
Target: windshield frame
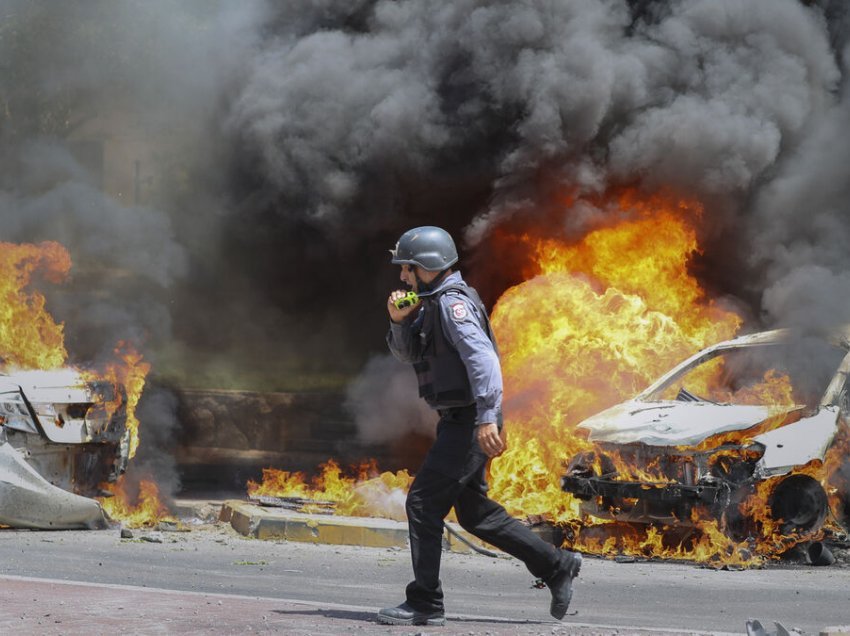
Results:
767 338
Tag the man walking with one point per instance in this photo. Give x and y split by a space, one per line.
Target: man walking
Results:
446 335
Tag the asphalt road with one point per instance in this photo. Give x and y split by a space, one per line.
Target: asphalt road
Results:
657 596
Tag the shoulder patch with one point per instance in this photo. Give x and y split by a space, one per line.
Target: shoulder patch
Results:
459 311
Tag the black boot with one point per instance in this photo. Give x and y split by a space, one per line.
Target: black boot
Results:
561 583
404 614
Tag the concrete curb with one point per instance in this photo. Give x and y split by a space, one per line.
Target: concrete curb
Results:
268 523
259 522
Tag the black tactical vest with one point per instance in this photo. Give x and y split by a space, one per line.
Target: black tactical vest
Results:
443 381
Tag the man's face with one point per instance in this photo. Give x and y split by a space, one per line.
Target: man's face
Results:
409 273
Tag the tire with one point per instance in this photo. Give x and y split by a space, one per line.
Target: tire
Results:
800 504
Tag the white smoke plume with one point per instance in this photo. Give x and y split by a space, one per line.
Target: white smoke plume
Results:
386 403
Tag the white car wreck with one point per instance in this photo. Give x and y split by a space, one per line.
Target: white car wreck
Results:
767 406
59 441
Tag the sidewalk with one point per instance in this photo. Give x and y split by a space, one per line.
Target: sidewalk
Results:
38 606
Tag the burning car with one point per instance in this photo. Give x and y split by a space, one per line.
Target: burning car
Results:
761 419
61 437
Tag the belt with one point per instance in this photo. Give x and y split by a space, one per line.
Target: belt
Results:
457 411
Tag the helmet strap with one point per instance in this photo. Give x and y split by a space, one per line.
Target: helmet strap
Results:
427 288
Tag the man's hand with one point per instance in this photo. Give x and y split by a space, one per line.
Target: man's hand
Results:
396 314
490 440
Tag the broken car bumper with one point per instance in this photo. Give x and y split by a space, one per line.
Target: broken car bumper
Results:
589 487
27 500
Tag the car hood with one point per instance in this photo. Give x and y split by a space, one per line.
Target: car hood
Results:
673 423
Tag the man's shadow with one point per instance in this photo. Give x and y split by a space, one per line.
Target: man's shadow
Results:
369 617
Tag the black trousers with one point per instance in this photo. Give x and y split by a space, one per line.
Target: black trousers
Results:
453 474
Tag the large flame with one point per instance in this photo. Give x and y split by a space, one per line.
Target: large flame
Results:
29 337
580 335
595 324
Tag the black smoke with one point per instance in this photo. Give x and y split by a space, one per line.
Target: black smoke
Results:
476 115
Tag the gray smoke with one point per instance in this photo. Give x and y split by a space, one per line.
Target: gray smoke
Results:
123 256
800 226
386 404
89 89
703 98
104 108
159 427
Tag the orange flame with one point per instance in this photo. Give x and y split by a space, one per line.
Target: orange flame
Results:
834 480
600 321
596 324
143 508
131 375
775 389
29 337
370 493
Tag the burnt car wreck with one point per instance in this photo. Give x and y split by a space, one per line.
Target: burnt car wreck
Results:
761 418
61 437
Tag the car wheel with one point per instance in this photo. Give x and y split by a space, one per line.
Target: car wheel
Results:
800 504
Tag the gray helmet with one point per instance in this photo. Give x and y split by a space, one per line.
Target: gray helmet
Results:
432 248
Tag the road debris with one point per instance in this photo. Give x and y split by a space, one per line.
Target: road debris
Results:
755 628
